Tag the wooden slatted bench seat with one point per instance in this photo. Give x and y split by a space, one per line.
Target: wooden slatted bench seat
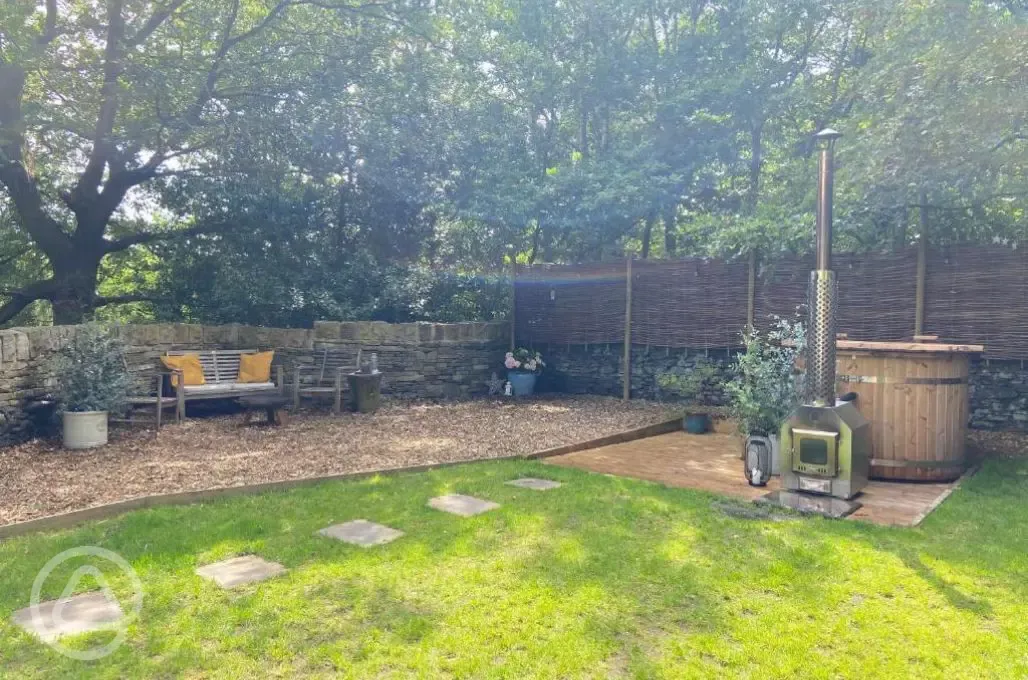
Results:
220 373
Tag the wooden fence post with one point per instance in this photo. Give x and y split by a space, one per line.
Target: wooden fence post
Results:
922 268
626 392
751 295
513 302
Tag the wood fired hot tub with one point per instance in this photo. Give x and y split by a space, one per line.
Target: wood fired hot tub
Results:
916 397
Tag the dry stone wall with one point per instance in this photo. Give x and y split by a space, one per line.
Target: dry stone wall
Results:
420 360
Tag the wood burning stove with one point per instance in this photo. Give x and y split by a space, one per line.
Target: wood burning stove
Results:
826 442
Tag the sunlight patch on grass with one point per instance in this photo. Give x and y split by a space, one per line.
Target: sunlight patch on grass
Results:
602 578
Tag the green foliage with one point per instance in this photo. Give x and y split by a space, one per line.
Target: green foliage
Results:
91 371
688 381
767 386
329 151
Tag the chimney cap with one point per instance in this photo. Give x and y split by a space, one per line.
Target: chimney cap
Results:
828 135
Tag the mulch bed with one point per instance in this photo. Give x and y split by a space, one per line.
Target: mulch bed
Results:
988 444
40 478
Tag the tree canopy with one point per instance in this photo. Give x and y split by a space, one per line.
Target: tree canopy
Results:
276 161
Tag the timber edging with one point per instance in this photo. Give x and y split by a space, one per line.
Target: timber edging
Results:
70 519
621 437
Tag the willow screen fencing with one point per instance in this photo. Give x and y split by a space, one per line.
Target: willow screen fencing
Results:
971 294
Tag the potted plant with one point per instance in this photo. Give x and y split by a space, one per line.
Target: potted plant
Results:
523 365
688 383
766 387
93 381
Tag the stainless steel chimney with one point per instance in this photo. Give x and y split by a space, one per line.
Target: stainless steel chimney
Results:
822 290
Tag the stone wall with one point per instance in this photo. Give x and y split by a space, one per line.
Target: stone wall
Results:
424 360
999 395
597 369
420 360
998 389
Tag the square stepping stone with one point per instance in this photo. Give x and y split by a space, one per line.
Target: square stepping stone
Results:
362 532
83 613
240 571
465 506
534 483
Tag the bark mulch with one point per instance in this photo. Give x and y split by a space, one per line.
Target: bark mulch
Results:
39 478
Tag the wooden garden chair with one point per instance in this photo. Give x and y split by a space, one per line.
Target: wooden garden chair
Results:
327 376
151 394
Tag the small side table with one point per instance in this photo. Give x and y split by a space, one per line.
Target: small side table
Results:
273 406
366 389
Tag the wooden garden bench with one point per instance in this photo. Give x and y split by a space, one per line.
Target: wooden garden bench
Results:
220 373
329 368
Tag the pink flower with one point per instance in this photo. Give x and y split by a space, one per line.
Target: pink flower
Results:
511 363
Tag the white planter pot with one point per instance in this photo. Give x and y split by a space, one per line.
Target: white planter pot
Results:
85 430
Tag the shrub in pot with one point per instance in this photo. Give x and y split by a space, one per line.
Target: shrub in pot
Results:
688 383
93 381
523 366
766 387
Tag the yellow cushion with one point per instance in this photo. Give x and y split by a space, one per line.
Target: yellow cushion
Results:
189 364
255 368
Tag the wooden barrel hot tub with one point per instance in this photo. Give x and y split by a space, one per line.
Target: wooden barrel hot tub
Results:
916 397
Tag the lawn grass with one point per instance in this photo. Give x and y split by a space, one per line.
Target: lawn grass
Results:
604 577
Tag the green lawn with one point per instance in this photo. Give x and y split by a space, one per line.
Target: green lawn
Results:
603 577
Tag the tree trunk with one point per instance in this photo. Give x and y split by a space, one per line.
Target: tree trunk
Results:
670 236
756 164
75 294
648 233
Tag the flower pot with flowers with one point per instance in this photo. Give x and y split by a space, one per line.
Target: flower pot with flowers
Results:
523 365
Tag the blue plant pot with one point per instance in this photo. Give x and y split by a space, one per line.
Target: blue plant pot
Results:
522 384
697 423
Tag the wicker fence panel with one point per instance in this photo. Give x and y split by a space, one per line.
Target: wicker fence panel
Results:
572 304
979 294
781 289
973 294
877 295
689 303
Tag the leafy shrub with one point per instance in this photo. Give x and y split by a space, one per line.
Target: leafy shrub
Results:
767 386
91 371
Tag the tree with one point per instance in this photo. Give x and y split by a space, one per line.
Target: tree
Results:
103 101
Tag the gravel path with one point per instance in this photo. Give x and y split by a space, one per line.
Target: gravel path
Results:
39 478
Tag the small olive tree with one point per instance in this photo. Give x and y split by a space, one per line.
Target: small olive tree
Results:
91 371
767 386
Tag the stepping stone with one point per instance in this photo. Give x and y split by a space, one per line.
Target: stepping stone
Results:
362 532
240 571
534 483
83 613
465 506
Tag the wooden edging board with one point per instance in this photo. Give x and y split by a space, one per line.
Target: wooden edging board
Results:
619 438
75 517
944 495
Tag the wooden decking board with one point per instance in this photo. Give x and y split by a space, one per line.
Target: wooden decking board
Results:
712 462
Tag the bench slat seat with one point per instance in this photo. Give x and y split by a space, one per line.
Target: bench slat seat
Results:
220 373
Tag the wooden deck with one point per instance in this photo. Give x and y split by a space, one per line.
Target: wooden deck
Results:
712 462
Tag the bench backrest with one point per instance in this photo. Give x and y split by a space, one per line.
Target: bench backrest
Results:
332 359
219 365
